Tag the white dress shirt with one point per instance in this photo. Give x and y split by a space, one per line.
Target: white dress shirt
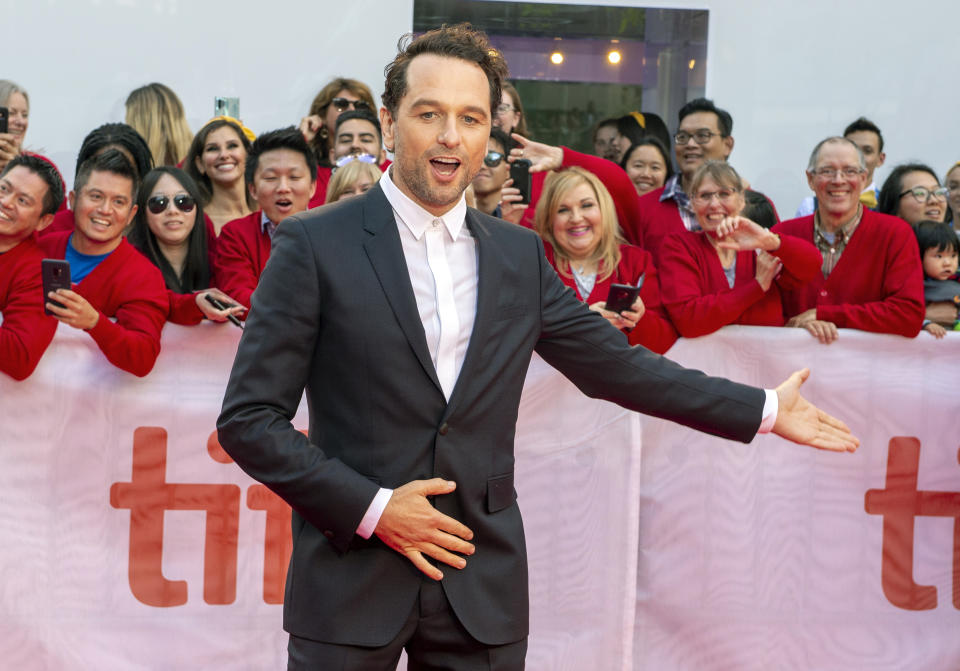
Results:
441 257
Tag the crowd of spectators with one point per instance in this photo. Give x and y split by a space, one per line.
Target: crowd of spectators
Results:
166 225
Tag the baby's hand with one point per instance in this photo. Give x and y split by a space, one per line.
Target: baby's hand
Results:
937 330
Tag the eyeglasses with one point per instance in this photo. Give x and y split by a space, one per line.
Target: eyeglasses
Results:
831 173
723 195
700 137
158 204
922 193
343 103
492 159
503 108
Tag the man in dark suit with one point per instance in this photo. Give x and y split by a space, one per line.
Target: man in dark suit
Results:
410 320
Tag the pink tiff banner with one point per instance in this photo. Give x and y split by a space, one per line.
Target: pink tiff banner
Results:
128 539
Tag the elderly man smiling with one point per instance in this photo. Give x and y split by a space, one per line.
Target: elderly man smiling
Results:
871 277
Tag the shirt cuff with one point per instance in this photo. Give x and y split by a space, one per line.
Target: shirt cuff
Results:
770 408
372 517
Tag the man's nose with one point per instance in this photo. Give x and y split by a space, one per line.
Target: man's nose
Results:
449 135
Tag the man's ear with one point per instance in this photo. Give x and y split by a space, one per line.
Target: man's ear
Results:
728 143
386 125
71 199
883 157
810 178
45 221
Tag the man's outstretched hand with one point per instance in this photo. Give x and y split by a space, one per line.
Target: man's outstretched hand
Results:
800 421
414 528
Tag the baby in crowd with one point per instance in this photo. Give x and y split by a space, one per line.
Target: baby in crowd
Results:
939 248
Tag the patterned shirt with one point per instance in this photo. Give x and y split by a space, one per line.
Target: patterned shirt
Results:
672 190
831 245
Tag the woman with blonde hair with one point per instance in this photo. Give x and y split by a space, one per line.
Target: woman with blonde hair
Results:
17 102
354 177
157 114
731 270
577 220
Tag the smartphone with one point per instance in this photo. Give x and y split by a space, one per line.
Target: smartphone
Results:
56 275
4 120
224 106
622 296
520 174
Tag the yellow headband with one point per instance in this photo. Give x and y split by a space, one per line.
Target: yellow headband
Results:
246 131
639 117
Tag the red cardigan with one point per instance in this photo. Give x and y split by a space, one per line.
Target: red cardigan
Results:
127 287
653 331
183 307
624 193
657 220
698 297
242 252
25 331
876 286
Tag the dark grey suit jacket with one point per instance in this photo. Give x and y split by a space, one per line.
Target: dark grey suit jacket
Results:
335 313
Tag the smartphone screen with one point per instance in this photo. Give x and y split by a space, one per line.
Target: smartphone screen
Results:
56 275
621 297
4 119
225 106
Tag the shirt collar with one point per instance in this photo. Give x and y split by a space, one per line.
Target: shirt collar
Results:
671 188
267 226
417 219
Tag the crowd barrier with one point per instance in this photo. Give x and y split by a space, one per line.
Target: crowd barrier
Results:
128 540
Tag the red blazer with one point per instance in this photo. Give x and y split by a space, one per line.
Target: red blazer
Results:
25 331
242 252
700 301
876 286
653 331
657 220
128 288
624 193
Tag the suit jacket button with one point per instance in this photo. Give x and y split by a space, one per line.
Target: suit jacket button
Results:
443 429
328 533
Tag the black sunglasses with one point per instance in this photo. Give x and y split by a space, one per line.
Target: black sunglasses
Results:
158 204
343 103
492 159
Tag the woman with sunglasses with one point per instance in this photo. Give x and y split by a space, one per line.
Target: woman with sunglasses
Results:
165 230
731 270
577 221
913 193
215 161
338 96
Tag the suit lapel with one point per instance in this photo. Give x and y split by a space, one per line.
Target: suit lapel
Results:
385 252
487 254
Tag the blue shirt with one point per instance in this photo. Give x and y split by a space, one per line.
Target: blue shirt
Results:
81 265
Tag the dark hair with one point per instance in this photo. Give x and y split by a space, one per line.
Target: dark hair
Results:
936 235
649 141
46 171
501 138
196 266
758 209
461 41
864 124
612 122
724 120
282 138
113 161
117 135
888 202
363 115
196 150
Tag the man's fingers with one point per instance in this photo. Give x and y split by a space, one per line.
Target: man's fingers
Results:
428 569
436 486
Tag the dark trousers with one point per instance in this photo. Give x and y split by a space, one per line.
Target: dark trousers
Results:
432 636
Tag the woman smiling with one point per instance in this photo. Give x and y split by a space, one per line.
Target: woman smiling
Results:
730 271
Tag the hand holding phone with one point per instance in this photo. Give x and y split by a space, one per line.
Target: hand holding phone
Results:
56 275
520 174
220 305
622 296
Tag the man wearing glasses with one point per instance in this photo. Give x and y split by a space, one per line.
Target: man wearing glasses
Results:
871 276
704 134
